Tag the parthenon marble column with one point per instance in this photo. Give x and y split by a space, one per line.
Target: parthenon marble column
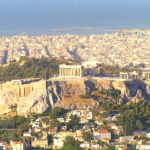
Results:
71 70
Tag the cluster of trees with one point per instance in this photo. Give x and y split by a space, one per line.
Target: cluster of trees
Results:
55 123
134 116
17 122
57 112
7 135
73 124
114 93
12 128
31 68
108 106
54 114
88 136
71 144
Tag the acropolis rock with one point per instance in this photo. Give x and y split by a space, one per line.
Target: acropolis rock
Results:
38 96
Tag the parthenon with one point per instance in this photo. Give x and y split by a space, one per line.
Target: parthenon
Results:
146 75
71 71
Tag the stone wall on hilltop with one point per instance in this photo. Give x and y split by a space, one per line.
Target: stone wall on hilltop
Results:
26 97
40 96
130 89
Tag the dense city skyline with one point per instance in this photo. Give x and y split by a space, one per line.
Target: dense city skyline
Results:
121 48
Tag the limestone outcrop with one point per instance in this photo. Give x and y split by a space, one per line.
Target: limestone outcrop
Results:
40 96
27 98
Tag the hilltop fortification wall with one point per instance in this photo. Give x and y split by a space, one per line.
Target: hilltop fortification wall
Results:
26 97
41 95
22 90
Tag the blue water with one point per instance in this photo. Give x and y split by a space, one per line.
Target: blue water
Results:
72 16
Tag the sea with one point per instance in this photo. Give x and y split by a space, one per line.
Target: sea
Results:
54 17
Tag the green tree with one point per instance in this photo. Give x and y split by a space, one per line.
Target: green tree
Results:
135 116
139 125
107 106
88 136
56 112
111 147
114 93
73 123
31 68
55 123
71 144
18 122
128 119
131 147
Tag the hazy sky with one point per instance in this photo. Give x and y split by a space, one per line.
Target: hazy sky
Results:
42 16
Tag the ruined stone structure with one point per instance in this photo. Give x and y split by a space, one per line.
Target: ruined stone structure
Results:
146 75
27 95
129 75
71 71
23 88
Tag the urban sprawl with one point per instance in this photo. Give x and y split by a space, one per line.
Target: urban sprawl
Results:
123 48
119 115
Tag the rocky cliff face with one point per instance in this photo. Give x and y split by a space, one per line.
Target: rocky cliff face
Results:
23 98
40 96
130 90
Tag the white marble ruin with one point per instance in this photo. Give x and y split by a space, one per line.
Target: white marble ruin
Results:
71 71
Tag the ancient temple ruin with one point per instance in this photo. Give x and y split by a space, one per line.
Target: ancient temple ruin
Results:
71 70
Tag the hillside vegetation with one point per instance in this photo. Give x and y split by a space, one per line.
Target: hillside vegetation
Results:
31 68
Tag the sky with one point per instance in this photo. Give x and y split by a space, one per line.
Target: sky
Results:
72 16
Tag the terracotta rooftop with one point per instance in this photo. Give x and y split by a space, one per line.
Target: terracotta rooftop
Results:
103 131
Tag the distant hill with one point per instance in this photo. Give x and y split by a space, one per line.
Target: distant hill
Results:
31 68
